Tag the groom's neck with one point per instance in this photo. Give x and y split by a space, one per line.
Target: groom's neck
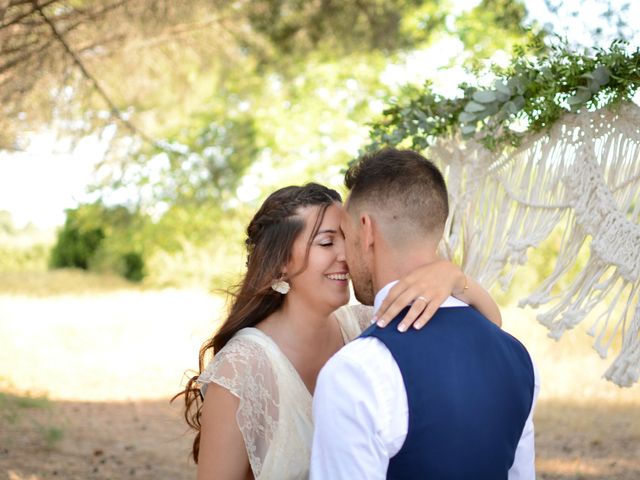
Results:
396 264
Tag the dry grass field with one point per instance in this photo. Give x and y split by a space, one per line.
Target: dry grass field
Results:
87 366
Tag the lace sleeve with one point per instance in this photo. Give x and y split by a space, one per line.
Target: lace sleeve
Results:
243 367
363 314
354 319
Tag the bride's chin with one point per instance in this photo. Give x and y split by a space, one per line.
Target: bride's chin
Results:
345 300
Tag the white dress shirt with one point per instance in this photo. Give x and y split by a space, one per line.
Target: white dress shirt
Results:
361 416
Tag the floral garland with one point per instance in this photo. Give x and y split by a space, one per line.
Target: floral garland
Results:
531 92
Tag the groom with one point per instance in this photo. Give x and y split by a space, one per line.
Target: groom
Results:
453 400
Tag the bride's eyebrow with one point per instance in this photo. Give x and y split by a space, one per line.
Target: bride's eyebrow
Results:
326 231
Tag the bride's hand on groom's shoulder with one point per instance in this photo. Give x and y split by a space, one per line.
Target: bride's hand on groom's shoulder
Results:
425 289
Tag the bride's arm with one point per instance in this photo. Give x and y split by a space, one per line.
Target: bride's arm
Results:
222 451
428 287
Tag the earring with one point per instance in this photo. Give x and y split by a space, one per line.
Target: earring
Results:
280 286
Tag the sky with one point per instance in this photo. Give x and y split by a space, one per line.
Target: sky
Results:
61 177
37 185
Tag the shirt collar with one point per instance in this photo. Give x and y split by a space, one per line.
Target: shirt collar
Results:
382 294
384 291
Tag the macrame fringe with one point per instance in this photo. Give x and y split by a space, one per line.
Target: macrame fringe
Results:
584 174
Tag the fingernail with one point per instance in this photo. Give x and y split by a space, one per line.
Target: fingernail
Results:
380 323
417 326
402 328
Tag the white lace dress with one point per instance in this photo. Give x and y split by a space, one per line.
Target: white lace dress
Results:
274 414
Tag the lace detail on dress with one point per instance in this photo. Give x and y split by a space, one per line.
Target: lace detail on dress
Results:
274 415
244 368
354 319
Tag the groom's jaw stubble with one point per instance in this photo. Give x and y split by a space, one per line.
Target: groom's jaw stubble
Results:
363 286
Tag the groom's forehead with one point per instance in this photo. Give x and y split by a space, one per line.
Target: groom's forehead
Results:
344 219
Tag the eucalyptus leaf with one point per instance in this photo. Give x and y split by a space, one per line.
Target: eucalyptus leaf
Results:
466 117
502 97
509 108
517 83
594 87
472 107
580 97
519 102
532 88
468 130
484 96
491 109
422 118
503 88
601 75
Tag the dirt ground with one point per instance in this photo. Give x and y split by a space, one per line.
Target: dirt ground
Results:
147 440
85 380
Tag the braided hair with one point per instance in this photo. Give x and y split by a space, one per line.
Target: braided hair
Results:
270 237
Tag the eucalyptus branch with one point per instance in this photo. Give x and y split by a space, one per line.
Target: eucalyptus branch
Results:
535 92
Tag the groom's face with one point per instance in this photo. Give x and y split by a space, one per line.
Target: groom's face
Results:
357 261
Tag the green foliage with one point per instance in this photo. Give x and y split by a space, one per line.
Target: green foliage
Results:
251 94
8 401
6 223
531 91
76 245
107 239
201 162
133 266
494 25
51 434
190 244
23 249
34 258
295 27
12 410
12 406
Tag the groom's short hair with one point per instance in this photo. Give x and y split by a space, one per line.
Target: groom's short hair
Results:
405 189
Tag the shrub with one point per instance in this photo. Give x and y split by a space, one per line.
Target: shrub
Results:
104 239
75 246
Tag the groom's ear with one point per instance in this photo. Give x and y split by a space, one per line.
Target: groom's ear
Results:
367 227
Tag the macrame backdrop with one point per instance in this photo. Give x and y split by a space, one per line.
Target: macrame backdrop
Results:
583 175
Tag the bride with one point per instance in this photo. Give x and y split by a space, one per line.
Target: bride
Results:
251 405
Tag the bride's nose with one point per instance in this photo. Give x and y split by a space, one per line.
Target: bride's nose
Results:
341 255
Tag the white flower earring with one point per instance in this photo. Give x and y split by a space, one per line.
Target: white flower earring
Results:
281 286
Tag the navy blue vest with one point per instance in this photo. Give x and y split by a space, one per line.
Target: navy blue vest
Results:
469 391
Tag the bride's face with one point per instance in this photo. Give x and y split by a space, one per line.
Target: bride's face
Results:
324 282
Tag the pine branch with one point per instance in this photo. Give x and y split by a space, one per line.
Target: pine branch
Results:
26 56
22 16
4 6
115 111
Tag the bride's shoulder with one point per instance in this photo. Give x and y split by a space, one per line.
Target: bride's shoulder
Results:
355 311
245 355
354 317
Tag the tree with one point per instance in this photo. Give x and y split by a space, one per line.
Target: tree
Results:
203 97
80 64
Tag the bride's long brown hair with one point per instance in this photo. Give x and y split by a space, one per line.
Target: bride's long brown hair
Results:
270 237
